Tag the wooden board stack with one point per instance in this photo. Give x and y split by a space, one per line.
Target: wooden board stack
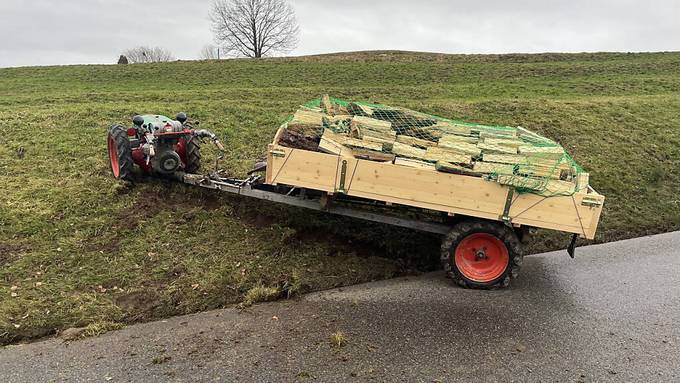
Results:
510 156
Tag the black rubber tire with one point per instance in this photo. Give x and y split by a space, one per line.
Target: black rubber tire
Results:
497 229
193 155
118 136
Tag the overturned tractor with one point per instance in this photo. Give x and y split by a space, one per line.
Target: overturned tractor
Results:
158 145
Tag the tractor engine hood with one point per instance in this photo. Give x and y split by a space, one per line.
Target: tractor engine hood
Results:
160 124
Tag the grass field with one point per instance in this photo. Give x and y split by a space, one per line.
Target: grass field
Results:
79 249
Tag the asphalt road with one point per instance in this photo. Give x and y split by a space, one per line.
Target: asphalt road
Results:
613 314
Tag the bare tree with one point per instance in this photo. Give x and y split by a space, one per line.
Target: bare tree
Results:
254 28
145 54
210 52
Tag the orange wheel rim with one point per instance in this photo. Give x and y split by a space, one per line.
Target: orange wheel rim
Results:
481 257
113 158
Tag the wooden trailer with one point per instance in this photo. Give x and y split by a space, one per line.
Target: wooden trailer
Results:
433 190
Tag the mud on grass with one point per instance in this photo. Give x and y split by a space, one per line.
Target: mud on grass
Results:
79 248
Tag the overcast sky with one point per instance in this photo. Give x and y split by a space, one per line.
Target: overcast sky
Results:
43 32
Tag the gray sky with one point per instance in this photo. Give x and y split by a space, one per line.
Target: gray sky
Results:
42 32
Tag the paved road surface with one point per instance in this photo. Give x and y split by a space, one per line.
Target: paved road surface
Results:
613 314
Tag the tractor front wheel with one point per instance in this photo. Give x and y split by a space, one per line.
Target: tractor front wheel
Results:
120 153
481 254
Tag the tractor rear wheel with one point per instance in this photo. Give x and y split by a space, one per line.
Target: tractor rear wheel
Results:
192 155
120 153
481 254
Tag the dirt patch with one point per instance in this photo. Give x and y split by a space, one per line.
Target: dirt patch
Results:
145 207
339 244
9 253
139 305
148 205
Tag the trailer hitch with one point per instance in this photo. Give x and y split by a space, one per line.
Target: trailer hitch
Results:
572 246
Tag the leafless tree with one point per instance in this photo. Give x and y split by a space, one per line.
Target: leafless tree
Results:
254 28
210 52
145 54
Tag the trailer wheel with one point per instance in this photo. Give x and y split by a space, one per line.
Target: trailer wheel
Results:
481 255
193 155
120 153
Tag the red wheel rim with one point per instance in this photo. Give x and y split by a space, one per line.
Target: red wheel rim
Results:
481 257
113 157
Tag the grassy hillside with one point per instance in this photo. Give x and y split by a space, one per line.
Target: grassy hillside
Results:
79 249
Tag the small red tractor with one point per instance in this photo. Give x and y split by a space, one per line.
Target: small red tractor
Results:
158 145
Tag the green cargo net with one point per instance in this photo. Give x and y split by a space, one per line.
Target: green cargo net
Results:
511 156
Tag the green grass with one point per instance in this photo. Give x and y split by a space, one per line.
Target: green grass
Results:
82 249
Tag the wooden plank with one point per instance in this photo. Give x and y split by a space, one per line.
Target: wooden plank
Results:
556 187
530 136
582 182
356 143
540 185
594 213
408 151
504 142
414 163
524 170
489 132
308 117
460 147
372 123
335 139
279 133
526 132
413 141
372 155
384 134
436 154
331 144
540 171
542 152
504 158
327 105
268 175
423 132
491 148
524 160
381 140
456 138
427 189
490 167
303 168
447 167
451 128
365 126
337 118
328 145
556 213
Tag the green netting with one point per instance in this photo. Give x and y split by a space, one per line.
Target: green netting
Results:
511 156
